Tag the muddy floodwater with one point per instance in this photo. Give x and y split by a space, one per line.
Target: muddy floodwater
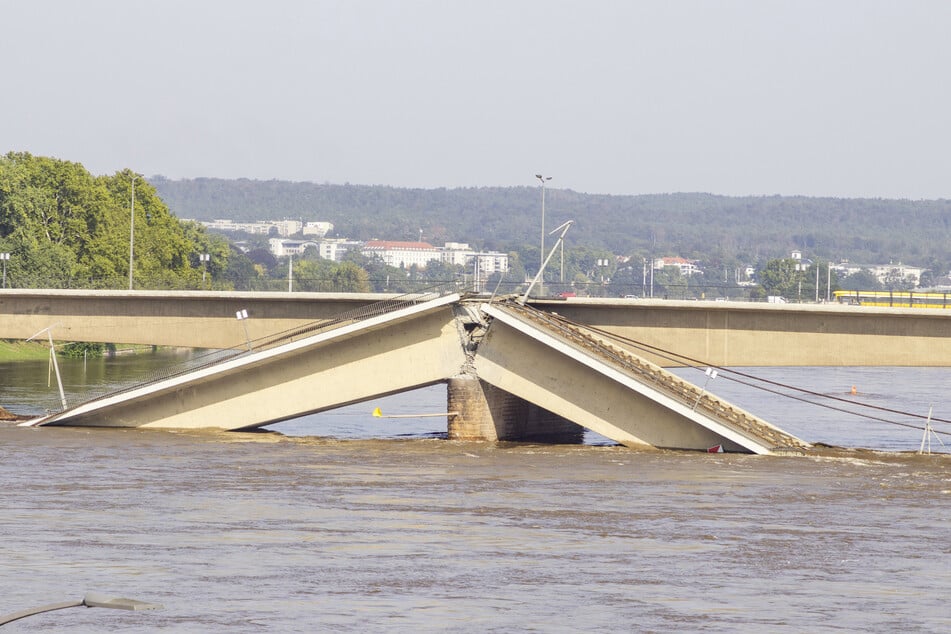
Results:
251 532
334 525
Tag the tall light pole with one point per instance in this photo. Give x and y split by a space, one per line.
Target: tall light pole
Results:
290 272
204 257
131 229
4 257
541 254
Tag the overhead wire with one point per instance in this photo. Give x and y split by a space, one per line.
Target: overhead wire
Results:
692 362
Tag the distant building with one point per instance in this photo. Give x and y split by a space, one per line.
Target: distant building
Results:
890 274
257 228
421 254
319 229
326 249
687 267
489 262
402 254
280 247
801 265
284 228
846 268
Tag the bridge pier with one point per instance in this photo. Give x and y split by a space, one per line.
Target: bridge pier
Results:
486 412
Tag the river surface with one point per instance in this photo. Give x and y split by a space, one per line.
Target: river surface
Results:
345 522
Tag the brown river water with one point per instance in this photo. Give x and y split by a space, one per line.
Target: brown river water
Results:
317 530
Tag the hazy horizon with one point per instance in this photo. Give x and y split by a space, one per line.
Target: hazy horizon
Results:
840 99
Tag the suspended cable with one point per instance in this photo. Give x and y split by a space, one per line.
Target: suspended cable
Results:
694 363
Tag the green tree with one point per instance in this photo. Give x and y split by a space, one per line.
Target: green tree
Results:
65 227
349 278
782 277
863 280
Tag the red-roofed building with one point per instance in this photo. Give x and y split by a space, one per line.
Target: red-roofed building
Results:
687 267
402 254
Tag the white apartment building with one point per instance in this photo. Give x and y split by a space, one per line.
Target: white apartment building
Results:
281 247
319 229
461 254
887 274
402 254
891 273
284 228
406 254
257 228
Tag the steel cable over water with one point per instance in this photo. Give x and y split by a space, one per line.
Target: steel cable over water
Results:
699 364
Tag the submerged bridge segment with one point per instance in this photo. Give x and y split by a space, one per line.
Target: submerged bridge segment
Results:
586 378
305 371
514 373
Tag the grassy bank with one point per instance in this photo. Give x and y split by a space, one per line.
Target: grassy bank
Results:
15 350
11 350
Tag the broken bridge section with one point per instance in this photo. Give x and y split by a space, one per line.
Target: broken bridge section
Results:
513 373
397 348
580 376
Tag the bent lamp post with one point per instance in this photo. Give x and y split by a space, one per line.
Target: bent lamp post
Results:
91 600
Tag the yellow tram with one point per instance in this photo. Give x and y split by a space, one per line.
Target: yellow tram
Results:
895 299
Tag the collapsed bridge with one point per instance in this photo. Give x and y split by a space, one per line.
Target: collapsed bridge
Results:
513 373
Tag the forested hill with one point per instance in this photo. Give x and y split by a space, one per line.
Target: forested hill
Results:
702 226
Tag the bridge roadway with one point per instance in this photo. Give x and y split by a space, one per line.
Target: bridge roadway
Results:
718 333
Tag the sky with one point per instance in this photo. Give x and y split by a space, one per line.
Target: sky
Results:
842 98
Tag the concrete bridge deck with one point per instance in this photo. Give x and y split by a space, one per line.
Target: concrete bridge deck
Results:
718 333
497 356
300 372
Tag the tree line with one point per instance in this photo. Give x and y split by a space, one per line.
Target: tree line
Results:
62 227
66 228
721 231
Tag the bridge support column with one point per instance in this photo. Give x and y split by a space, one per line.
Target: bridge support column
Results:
486 412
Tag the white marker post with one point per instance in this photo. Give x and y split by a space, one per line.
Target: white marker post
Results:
711 374
242 316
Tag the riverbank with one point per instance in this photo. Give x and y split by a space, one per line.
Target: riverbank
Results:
13 350
16 350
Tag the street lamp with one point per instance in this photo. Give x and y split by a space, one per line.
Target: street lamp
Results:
91 600
4 257
541 254
131 229
564 229
204 258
